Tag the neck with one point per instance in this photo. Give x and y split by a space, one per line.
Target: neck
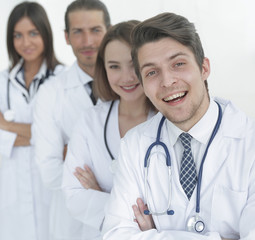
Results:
131 114
88 69
133 108
31 68
202 109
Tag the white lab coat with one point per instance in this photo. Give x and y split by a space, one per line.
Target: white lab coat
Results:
87 146
59 104
227 193
24 201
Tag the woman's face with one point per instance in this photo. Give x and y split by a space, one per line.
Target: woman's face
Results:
120 71
27 40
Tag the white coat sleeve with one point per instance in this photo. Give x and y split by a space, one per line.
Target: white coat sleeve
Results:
119 218
7 140
247 223
85 205
48 140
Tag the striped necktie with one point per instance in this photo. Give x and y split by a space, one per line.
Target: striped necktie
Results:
188 174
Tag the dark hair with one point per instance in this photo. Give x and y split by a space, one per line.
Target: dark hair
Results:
87 5
36 13
101 87
166 25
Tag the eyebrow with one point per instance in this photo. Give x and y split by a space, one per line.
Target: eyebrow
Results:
149 64
111 61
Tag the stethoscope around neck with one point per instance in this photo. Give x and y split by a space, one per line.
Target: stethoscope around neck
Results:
194 223
9 114
113 165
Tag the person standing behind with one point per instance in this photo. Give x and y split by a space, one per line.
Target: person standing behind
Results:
94 145
24 201
61 102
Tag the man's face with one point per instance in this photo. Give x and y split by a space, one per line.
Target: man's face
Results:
86 31
173 81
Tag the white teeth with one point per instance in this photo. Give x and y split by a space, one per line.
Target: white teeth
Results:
129 87
174 96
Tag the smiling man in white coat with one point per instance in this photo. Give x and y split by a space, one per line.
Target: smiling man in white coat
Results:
60 103
200 182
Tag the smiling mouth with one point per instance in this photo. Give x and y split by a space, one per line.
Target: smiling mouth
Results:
130 87
175 97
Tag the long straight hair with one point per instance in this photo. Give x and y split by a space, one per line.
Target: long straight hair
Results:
36 13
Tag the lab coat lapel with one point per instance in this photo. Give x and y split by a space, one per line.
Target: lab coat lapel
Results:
219 150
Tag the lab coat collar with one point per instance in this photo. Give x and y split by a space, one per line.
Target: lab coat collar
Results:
75 77
14 73
232 119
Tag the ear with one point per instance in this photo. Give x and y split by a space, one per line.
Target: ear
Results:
206 68
67 38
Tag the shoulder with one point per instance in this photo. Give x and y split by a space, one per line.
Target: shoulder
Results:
147 129
4 75
59 69
96 113
235 123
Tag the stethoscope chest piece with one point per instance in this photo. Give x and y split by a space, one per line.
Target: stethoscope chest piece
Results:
113 166
9 115
195 224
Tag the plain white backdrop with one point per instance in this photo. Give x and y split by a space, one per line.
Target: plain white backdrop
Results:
226 28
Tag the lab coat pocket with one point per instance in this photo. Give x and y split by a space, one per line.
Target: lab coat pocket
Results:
227 206
8 183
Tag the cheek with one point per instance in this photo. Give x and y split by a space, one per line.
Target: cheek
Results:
112 78
16 45
149 89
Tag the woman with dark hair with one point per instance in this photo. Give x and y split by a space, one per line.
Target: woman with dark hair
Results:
93 148
23 199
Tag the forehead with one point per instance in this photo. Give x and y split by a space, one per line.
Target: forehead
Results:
117 50
160 50
86 18
24 24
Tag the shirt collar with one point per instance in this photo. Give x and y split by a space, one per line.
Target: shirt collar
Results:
202 130
83 76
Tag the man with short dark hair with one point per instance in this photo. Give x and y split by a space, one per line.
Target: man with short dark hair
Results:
189 172
60 103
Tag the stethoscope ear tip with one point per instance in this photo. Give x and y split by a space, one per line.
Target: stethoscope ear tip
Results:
170 212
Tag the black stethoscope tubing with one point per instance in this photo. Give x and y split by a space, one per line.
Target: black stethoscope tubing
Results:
105 129
41 81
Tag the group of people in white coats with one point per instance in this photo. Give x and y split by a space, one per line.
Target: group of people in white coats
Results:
124 144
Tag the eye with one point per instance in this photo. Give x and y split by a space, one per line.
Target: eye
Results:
151 73
96 30
179 64
77 31
34 33
17 35
114 66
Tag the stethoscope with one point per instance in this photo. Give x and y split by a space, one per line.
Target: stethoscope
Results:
113 165
9 114
194 223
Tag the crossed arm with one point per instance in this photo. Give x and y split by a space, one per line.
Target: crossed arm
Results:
22 130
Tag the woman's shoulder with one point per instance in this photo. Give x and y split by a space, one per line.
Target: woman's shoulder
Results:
59 69
4 74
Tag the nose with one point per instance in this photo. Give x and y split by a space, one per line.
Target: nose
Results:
26 40
168 78
87 39
129 74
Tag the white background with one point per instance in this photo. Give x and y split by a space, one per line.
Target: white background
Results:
226 28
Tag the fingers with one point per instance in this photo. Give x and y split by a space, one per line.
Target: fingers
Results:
145 222
87 178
